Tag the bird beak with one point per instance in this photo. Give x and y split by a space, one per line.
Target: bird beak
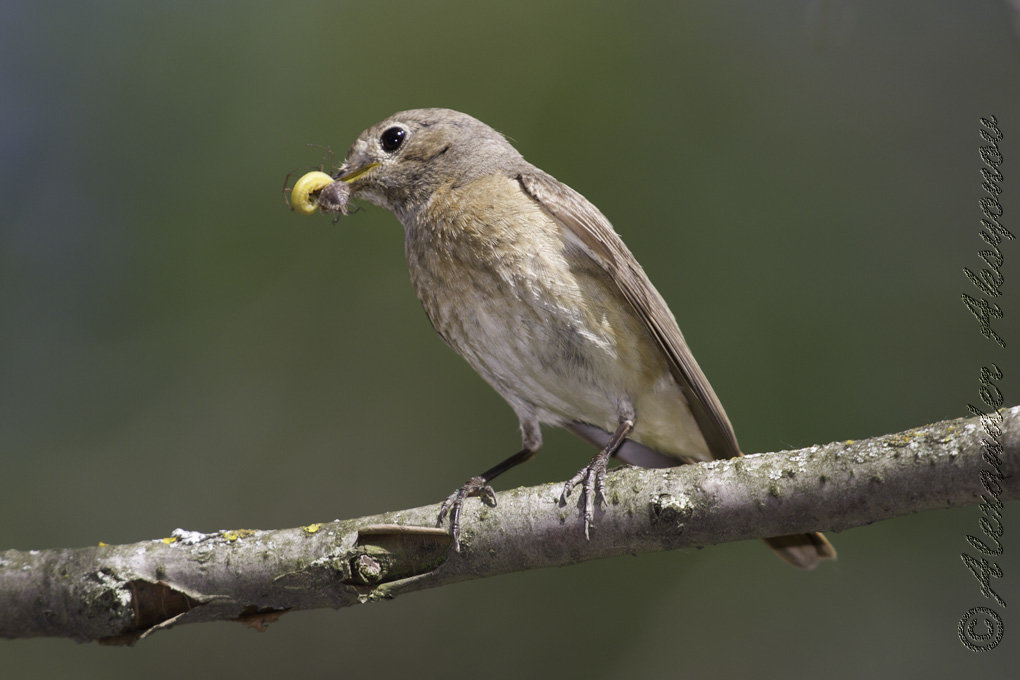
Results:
350 175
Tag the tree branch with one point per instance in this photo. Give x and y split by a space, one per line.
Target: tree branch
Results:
124 592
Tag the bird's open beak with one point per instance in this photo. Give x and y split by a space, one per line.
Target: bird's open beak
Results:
355 173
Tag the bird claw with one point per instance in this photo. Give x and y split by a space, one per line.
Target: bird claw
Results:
453 504
592 478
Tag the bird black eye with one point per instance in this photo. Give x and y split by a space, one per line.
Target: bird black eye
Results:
392 138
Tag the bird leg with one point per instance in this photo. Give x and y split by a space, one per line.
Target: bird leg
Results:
478 486
592 476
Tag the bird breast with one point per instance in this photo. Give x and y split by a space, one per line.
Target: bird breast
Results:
501 286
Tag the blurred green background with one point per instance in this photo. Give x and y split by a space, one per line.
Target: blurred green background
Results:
178 350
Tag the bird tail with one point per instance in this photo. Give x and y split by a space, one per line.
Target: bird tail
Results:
803 551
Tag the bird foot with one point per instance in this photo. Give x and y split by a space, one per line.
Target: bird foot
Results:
592 478
476 486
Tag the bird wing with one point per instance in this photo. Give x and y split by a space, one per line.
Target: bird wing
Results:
595 236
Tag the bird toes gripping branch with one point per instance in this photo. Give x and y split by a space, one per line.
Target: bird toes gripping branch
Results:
476 486
592 478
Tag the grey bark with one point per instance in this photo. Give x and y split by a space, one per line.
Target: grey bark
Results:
120 593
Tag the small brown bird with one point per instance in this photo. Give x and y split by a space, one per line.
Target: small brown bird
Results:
527 280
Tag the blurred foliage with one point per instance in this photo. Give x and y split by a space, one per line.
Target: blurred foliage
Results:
177 349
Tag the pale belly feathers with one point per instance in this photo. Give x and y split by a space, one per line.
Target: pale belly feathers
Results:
544 325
